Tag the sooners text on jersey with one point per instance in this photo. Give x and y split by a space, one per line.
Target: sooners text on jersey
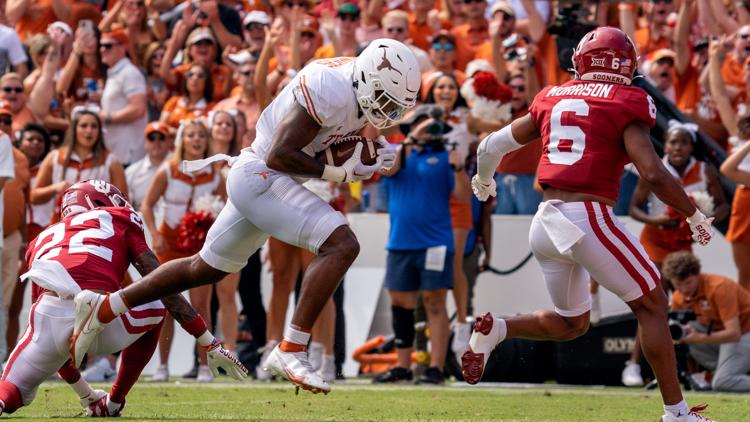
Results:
582 124
95 247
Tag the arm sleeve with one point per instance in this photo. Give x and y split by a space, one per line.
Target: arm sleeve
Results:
641 107
315 92
134 84
134 236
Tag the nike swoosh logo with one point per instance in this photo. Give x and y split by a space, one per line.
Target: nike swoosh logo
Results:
344 152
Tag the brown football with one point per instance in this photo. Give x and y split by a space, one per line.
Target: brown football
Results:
339 152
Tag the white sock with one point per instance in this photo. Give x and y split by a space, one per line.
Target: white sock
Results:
296 336
117 304
677 410
82 388
112 406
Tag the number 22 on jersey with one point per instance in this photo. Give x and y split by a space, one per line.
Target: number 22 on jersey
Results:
56 234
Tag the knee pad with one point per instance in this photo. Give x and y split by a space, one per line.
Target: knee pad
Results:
403 326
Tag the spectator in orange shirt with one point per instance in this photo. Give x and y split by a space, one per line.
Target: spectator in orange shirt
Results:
452 11
731 69
719 338
14 99
424 22
473 33
658 33
195 100
201 47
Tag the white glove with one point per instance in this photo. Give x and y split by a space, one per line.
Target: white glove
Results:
483 190
219 357
386 151
355 170
701 228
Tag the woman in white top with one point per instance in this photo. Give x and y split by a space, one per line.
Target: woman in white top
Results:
82 156
179 192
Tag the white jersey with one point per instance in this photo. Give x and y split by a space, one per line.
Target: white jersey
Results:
324 88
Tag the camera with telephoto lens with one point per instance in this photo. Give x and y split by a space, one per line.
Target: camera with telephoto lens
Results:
437 127
572 22
677 320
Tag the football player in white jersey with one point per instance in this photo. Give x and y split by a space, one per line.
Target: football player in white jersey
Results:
327 100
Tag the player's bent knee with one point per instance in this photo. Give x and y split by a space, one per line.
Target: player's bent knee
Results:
575 326
343 243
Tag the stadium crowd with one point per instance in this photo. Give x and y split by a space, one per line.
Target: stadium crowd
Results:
124 90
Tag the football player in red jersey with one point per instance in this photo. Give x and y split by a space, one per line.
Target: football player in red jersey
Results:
98 237
590 128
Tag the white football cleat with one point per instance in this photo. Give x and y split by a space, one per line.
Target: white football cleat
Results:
295 367
695 414
104 408
93 397
631 375
204 374
461 336
87 325
260 373
484 338
161 374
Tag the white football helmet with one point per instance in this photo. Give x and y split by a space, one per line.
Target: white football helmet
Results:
387 79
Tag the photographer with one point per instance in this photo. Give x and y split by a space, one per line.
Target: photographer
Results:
420 242
719 339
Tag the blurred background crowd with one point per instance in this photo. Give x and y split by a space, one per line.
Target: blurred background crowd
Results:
123 90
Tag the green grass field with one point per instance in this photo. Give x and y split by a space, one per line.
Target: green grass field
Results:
358 401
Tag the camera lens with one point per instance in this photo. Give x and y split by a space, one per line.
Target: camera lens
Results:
676 330
435 128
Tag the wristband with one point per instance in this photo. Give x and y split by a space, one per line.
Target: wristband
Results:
206 339
334 173
196 326
696 218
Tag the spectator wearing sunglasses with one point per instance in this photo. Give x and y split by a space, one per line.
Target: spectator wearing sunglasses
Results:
443 57
245 101
424 22
516 172
254 28
347 22
195 100
473 33
659 68
13 96
124 102
157 142
396 27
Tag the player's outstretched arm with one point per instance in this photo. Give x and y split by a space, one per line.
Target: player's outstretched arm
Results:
492 149
662 183
193 323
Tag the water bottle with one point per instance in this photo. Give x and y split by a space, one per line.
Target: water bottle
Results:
366 201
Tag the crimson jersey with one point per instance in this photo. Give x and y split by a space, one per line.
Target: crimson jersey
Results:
582 124
95 247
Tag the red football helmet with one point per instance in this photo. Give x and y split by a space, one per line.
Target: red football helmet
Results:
89 194
605 54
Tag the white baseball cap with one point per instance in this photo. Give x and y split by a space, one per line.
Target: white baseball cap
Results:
256 16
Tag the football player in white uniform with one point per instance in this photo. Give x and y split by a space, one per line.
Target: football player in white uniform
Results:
328 100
